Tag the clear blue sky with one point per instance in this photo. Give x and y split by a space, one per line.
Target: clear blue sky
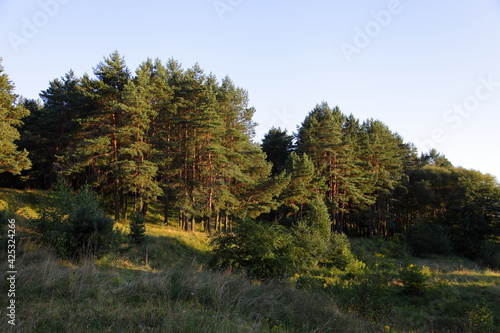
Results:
429 69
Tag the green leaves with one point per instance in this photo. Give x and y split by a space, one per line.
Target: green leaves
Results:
261 250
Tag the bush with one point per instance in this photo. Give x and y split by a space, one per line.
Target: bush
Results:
262 251
415 279
428 238
312 236
90 231
310 246
489 254
74 224
137 233
339 253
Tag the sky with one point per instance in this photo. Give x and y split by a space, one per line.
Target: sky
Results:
428 69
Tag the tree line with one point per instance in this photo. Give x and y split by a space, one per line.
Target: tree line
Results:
180 139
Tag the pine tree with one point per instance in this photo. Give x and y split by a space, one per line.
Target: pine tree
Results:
320 137
51 130
99 149
11 159
137 228
386 162
161 131
277 145
312 234
305 183
137 170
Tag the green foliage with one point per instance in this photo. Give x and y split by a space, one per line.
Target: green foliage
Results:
428 238
480 319
415 279
137 233
185 137
312 235
12 160
489 254
262 251
304 183
74 224
90 231
277 145
310 246
369 294
339 255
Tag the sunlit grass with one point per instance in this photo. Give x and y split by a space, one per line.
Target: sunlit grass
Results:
162 285
196 240
57 296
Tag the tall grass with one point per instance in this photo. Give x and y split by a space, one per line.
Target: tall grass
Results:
163 286
59 296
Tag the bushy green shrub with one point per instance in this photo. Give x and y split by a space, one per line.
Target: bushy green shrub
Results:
339 252
137 233
90 230
312 236
74 224
261 250
428 238
489 254
415 279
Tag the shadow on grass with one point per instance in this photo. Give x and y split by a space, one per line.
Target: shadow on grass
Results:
55 297
158 252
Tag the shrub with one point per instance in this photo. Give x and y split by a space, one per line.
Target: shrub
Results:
90 231
262 251
310 246
339 253
312 236
74 224
415 279
428 238
489 254
137 233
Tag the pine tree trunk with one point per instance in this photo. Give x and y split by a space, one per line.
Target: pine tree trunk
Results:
117 201
209 225
217 222
165 208
144 210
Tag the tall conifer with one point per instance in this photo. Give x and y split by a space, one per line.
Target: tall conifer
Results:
11 159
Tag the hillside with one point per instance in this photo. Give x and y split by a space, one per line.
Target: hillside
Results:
165 286
166 290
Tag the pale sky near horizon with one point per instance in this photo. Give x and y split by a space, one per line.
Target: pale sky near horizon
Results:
429 69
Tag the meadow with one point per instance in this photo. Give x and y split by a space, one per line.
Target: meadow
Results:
165 285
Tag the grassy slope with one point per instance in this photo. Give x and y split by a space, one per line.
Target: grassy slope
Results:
163 287
158 287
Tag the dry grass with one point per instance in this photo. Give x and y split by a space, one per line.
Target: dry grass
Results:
57 296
